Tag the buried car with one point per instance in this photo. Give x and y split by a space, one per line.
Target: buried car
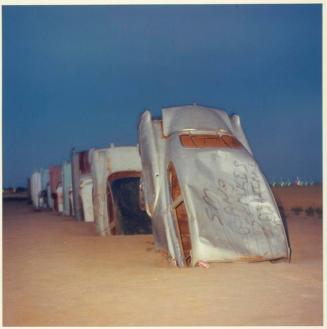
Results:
116 175
202 188
82 186
39 187
67 188
45 186
36 188
55 190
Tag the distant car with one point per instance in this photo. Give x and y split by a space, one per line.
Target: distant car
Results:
85 193
60 198
67 188
36 188
54 183
82 186
202 188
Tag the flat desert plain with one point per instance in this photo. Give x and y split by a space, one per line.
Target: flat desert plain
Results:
57 272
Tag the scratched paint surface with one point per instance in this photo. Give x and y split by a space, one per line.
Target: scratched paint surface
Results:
231 205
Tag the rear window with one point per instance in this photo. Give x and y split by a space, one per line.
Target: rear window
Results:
132 219
209 141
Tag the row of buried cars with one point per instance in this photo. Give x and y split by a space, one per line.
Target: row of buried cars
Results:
191 181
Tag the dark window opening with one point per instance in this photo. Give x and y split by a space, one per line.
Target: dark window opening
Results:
84 164
132 219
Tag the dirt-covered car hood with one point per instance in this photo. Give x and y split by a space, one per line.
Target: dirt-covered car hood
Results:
232 213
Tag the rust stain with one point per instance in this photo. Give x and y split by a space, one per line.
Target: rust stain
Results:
252 259
180 215
124 174
203 141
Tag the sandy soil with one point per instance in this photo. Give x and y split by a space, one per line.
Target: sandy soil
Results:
57 272
297 196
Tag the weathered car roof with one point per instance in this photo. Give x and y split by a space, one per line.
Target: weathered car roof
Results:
201 118
194 117
124 158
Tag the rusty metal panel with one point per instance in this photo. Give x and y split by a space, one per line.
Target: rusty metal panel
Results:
230 210
55 177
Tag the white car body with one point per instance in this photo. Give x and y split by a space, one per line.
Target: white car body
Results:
223 209
67 187
82 186
36 187
60 198
45 185
85 192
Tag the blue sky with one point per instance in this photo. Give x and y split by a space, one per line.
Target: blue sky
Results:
82 75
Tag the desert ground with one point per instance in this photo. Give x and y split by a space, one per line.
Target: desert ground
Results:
57 272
